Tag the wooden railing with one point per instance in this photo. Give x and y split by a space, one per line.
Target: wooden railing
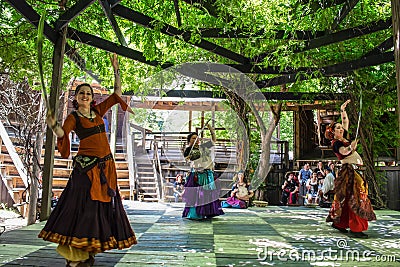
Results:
157 169
132 167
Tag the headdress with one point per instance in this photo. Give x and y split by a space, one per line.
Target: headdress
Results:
330 131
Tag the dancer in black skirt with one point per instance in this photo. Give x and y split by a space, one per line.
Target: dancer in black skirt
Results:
89 217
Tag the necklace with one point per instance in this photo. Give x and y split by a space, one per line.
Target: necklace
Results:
89 118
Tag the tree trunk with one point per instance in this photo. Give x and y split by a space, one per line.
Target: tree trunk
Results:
266 134
35 173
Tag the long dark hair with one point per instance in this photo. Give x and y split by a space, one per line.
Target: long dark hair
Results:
77 89
190 136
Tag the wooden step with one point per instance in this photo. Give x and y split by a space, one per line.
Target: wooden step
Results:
147 183
145 173
122 174
60 182
122 165
148 188
123 182
61 172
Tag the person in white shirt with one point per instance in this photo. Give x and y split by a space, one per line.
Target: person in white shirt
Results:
328 185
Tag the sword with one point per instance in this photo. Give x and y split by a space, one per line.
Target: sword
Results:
40 40
359 116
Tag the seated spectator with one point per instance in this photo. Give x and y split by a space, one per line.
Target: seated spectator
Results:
328 186
312 189
331 165
179 187
290 189
304 176
320 170
240 194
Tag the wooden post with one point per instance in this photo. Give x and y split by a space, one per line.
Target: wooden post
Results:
202 124
190 120
396 39
213 115
297 143
58 60
114 127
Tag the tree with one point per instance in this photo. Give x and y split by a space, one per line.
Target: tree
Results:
22 110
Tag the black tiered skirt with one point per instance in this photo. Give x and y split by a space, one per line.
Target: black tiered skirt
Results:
89 225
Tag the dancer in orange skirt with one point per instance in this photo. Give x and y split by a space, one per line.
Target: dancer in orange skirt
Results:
89 217
351 207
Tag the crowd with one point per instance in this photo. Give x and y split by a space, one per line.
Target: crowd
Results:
309 186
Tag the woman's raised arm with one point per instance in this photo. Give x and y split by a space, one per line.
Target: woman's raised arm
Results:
343 114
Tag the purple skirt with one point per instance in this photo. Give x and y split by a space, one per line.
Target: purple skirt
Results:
202 192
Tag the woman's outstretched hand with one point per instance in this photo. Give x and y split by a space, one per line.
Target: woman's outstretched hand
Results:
344 105
114 61
117 77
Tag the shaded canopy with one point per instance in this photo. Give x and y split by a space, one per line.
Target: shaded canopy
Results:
279 42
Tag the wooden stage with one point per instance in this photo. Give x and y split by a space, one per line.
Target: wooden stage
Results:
272 235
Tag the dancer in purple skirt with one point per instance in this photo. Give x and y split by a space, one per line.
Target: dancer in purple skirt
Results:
201 189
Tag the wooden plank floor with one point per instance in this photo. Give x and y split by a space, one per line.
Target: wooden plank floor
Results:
271 236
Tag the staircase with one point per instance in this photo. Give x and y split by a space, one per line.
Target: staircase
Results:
147 182
12 187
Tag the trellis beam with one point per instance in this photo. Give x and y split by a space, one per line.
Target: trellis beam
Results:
170 30
72 13
333 70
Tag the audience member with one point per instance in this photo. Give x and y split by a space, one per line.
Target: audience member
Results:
290 189
304 175
179 187
312 189
328 186
240 194
320 170
331 165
